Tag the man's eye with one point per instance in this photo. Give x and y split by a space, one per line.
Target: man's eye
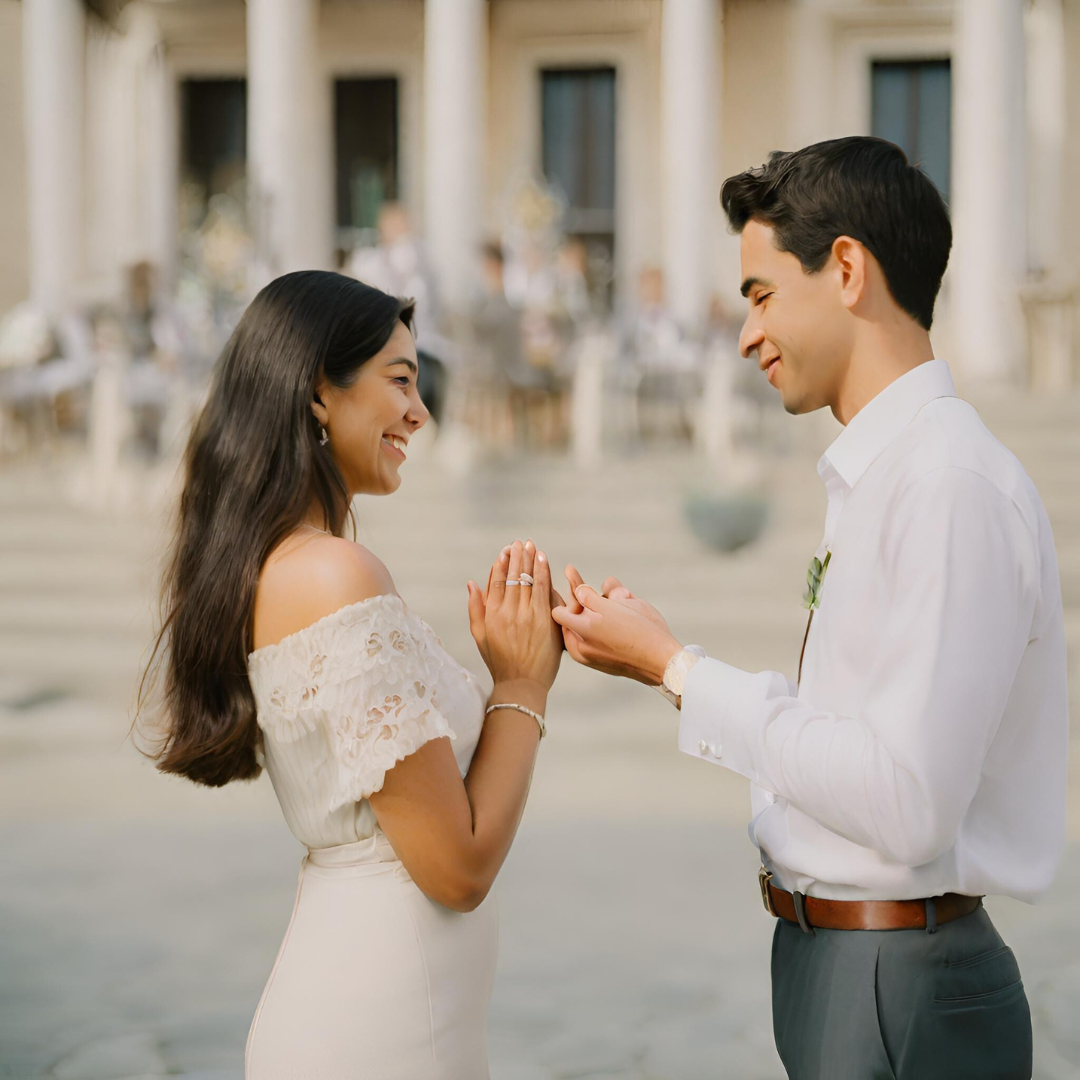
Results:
761 298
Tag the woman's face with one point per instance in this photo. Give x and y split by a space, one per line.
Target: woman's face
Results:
371 422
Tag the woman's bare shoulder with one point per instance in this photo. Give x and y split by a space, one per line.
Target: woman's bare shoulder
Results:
309 577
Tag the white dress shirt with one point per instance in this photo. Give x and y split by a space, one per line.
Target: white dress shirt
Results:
925 750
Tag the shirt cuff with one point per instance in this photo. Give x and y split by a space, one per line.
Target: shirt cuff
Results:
718 715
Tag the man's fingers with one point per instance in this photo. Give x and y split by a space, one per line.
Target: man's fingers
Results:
574 579
614 589
574 646
569 620
589 598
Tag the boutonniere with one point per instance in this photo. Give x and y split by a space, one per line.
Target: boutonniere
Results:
815 577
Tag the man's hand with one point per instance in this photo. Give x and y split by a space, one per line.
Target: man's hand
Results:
615 631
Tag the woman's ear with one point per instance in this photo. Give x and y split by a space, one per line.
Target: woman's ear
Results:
318 408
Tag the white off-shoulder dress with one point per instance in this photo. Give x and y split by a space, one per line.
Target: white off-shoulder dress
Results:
374 981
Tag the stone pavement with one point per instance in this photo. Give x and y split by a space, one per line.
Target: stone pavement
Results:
139 915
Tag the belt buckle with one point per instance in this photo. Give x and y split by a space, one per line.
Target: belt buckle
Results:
764 878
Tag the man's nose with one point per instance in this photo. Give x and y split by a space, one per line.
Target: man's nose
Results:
750 338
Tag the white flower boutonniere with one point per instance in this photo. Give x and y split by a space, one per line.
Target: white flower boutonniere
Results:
815 577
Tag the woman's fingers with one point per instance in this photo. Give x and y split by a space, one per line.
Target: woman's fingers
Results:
500 569
541 597
476 612
528 565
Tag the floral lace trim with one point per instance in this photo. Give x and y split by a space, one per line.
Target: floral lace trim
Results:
367 675
375 645
389 732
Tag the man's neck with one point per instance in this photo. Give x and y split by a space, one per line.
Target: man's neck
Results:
881 356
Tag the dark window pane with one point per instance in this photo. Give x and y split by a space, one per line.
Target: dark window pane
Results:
579 136
933 141
911 103
213 132
366 145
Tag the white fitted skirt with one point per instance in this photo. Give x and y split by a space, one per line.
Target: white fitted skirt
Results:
374 981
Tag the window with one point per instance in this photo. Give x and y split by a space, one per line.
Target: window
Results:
366 146
578 125
912 108
213 133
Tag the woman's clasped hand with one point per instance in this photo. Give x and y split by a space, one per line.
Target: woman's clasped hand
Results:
511 619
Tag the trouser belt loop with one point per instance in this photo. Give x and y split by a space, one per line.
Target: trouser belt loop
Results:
800 912
931 915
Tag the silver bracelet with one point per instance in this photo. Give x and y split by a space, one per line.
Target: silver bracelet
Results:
520 708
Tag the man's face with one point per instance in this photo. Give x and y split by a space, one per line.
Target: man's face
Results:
796 324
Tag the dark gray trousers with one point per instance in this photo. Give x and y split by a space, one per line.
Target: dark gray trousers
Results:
900 1004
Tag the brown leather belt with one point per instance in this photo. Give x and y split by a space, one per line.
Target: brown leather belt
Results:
812 911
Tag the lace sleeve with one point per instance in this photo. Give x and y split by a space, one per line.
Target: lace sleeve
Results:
366 677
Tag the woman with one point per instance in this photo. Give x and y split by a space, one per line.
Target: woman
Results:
288 646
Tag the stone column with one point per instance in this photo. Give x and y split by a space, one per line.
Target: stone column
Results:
690 102
1046 118
53 55
287 178
989 207
161 126
455 85
811 65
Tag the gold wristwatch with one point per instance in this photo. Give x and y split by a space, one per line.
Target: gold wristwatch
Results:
678 667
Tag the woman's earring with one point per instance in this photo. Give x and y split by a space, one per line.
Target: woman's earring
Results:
323 438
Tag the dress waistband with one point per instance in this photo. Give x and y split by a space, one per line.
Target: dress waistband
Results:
372 849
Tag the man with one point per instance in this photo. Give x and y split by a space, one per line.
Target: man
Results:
919 763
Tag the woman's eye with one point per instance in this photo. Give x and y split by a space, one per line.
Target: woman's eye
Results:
402 380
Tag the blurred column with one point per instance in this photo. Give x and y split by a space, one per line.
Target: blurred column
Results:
1046 116
161 141
53 56
810 64
1051 293
288 203
455 84
989 206
691 181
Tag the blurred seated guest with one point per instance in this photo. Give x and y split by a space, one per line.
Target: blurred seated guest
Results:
660 367
572 284
151 374
497 352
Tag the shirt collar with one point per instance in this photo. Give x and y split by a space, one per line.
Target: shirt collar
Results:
881 420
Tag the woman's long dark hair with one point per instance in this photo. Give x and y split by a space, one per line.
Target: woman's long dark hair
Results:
254 467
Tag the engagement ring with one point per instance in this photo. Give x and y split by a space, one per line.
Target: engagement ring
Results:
527 579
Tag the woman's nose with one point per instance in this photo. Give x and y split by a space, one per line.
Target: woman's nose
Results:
418 413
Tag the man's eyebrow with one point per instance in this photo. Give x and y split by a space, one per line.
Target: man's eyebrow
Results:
750 282
402 360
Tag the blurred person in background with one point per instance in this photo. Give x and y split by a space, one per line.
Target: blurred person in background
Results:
658 366
497 362
918 762
398 265
286 646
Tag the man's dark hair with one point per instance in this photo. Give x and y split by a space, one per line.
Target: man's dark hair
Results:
860 187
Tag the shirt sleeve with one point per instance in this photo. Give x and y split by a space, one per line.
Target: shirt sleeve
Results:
963 574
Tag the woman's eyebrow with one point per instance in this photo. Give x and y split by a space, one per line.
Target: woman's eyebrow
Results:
402 360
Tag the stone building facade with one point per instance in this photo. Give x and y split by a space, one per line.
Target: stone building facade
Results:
636 109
